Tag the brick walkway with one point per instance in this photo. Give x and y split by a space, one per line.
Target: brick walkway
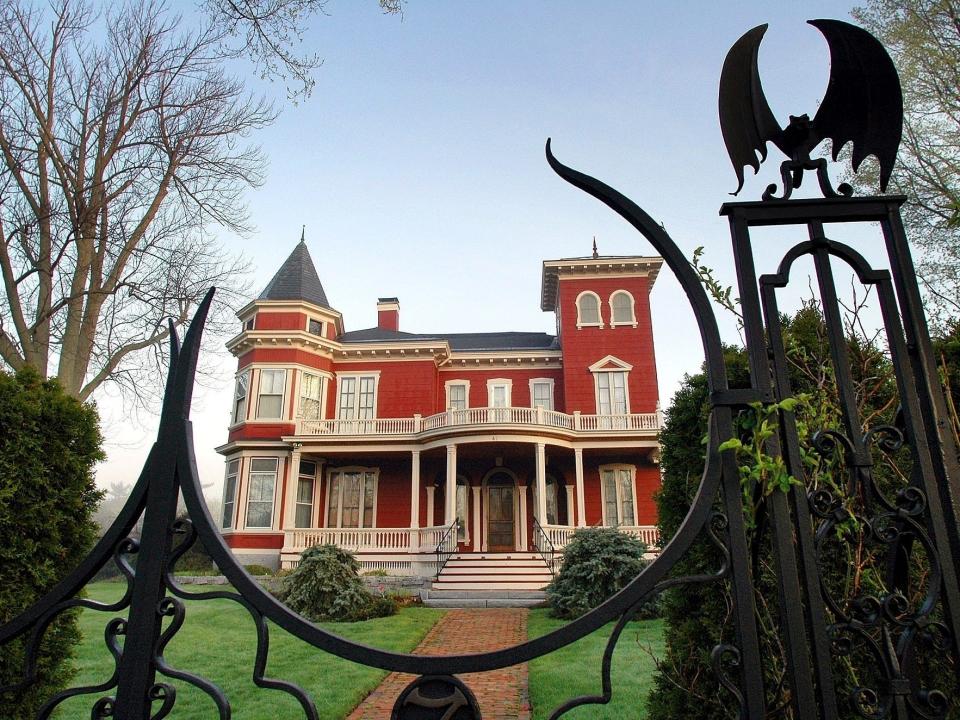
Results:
502 694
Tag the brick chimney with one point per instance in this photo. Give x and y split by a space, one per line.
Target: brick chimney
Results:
388 313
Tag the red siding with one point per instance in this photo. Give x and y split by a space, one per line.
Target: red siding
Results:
585 346
405 388
281 321
253 541
520 389
284 355
258 431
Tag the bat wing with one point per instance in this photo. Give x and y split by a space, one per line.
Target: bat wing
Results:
746 121
863 103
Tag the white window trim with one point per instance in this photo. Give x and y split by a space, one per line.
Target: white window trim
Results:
466 393
278 481
296 494
326 500
633 486
580 322
619 366
236 492
633 312
543 381
500 382
323 326
375 374
287 379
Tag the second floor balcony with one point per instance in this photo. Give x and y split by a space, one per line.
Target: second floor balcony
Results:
508 418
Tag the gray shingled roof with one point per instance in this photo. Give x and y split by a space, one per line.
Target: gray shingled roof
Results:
459 341
297 279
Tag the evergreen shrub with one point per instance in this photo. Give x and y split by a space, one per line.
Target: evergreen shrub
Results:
597 563
49 445
326 586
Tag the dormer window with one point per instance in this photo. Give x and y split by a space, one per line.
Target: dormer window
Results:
621 309
588 310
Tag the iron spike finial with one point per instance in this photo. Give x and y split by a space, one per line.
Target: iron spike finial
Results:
595 255
303 233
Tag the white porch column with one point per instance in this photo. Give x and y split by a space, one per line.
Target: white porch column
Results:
569 490
477 533
578 466
415 489
522 492
450 491
430 515
290 499
541 467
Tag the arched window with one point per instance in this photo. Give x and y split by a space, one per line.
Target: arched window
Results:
621 309
588 309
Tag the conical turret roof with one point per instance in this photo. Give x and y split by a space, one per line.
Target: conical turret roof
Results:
297 279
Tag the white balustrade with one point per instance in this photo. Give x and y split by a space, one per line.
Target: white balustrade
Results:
649 535
482 416
356 539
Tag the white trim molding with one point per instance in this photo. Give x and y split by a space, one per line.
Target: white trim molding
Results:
632 320
506 383
580 321
466 392
358 375
617 469
542 381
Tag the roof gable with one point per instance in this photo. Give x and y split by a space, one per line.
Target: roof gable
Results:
297 279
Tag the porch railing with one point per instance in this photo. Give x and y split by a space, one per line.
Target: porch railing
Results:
446 547
544 546
354 539
559 535
575 422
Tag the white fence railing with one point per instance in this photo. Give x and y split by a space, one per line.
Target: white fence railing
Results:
482 416
560 535
368 539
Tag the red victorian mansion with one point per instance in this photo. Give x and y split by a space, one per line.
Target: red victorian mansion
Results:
392 443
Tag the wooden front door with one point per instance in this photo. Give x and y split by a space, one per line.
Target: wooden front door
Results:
500 531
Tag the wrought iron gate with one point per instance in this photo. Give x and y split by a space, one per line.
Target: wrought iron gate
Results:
893 635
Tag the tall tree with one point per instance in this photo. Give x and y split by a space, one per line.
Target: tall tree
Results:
122 139
923 38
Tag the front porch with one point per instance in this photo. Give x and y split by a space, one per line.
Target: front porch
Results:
421 551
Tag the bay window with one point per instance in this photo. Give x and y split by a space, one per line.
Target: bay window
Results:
270 402
240 397
262 484
230 493
310 386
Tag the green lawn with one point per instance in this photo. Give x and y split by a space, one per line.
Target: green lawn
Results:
218 641
575 670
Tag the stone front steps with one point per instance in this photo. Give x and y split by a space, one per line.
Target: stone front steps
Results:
514 579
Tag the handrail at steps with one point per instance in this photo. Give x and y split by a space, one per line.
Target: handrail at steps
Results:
444 549
544 546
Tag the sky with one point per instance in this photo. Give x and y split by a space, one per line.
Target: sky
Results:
417 165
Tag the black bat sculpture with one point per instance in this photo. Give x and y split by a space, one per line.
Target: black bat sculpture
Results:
863 105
